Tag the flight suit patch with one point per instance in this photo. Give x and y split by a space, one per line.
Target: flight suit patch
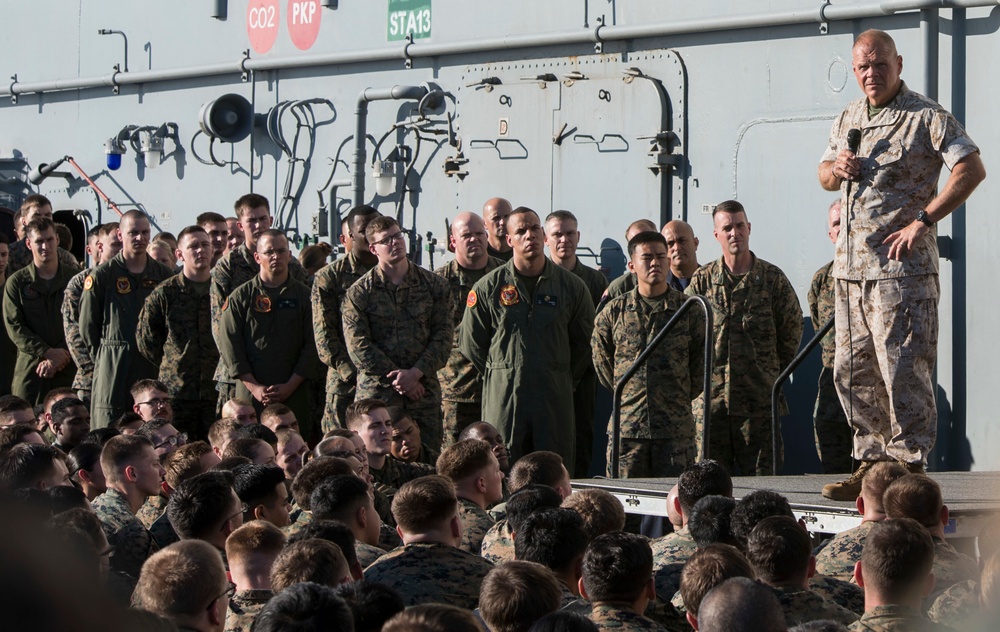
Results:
123 285
30 293
288 303
471 300
509 295
546 299
149 283
262 304
88 283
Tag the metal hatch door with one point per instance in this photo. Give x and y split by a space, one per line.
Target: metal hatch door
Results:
617 137
504 120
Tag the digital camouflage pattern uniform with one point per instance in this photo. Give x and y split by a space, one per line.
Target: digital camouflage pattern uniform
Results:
950 568
658 431
958 607
670 553
152 509
498 543
20 257
895 618
230 272
328 293
109 314
74 342
475 524
585 393
32 317
461 383
132 542
389 327
802 605
394 473
244 606
846 594
268 332
531 348
429 572
758 327
885 378
628 281
830 427
175 334
367 554
839 555
615 616
301 520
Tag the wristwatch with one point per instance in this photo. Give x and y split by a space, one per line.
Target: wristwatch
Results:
923 219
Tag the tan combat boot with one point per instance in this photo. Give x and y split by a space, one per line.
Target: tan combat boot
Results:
913 468
850 489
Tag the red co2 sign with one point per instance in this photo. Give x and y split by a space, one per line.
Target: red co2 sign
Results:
263 17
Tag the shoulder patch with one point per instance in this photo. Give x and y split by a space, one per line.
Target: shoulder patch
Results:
88 282
471 301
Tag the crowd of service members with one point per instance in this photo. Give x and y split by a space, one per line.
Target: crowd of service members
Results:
139 500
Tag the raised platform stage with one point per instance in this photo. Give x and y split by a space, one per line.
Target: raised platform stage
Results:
971 498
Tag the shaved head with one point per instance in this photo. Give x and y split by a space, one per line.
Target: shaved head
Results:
468 239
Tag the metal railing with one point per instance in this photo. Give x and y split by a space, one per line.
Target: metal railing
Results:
616 413
778 383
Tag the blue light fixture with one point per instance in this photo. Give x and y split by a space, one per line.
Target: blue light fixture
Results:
113 149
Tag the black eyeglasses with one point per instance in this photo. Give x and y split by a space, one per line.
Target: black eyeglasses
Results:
157 402
388 240
175 440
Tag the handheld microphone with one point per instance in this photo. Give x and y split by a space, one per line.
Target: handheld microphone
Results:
854 145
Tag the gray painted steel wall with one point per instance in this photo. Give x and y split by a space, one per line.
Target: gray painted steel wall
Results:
750 109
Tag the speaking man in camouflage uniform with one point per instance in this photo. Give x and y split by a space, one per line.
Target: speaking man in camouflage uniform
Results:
31 302
328 291
175 334
461 383
527 328
562 237
758 326
833 433
20 256
237 267
887 257
267 334
113 295
495 214
658 434
108 245
398 329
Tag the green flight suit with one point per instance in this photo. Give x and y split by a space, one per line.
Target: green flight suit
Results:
230 272
32 316
109 314
531 350
268 332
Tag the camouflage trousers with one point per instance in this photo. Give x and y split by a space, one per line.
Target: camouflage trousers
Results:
335 411
227 391
455 416
887 333
744 443
832 432
194 417
652 458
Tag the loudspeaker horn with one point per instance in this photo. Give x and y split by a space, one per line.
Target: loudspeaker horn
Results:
228 118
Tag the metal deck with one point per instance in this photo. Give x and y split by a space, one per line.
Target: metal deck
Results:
971 498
